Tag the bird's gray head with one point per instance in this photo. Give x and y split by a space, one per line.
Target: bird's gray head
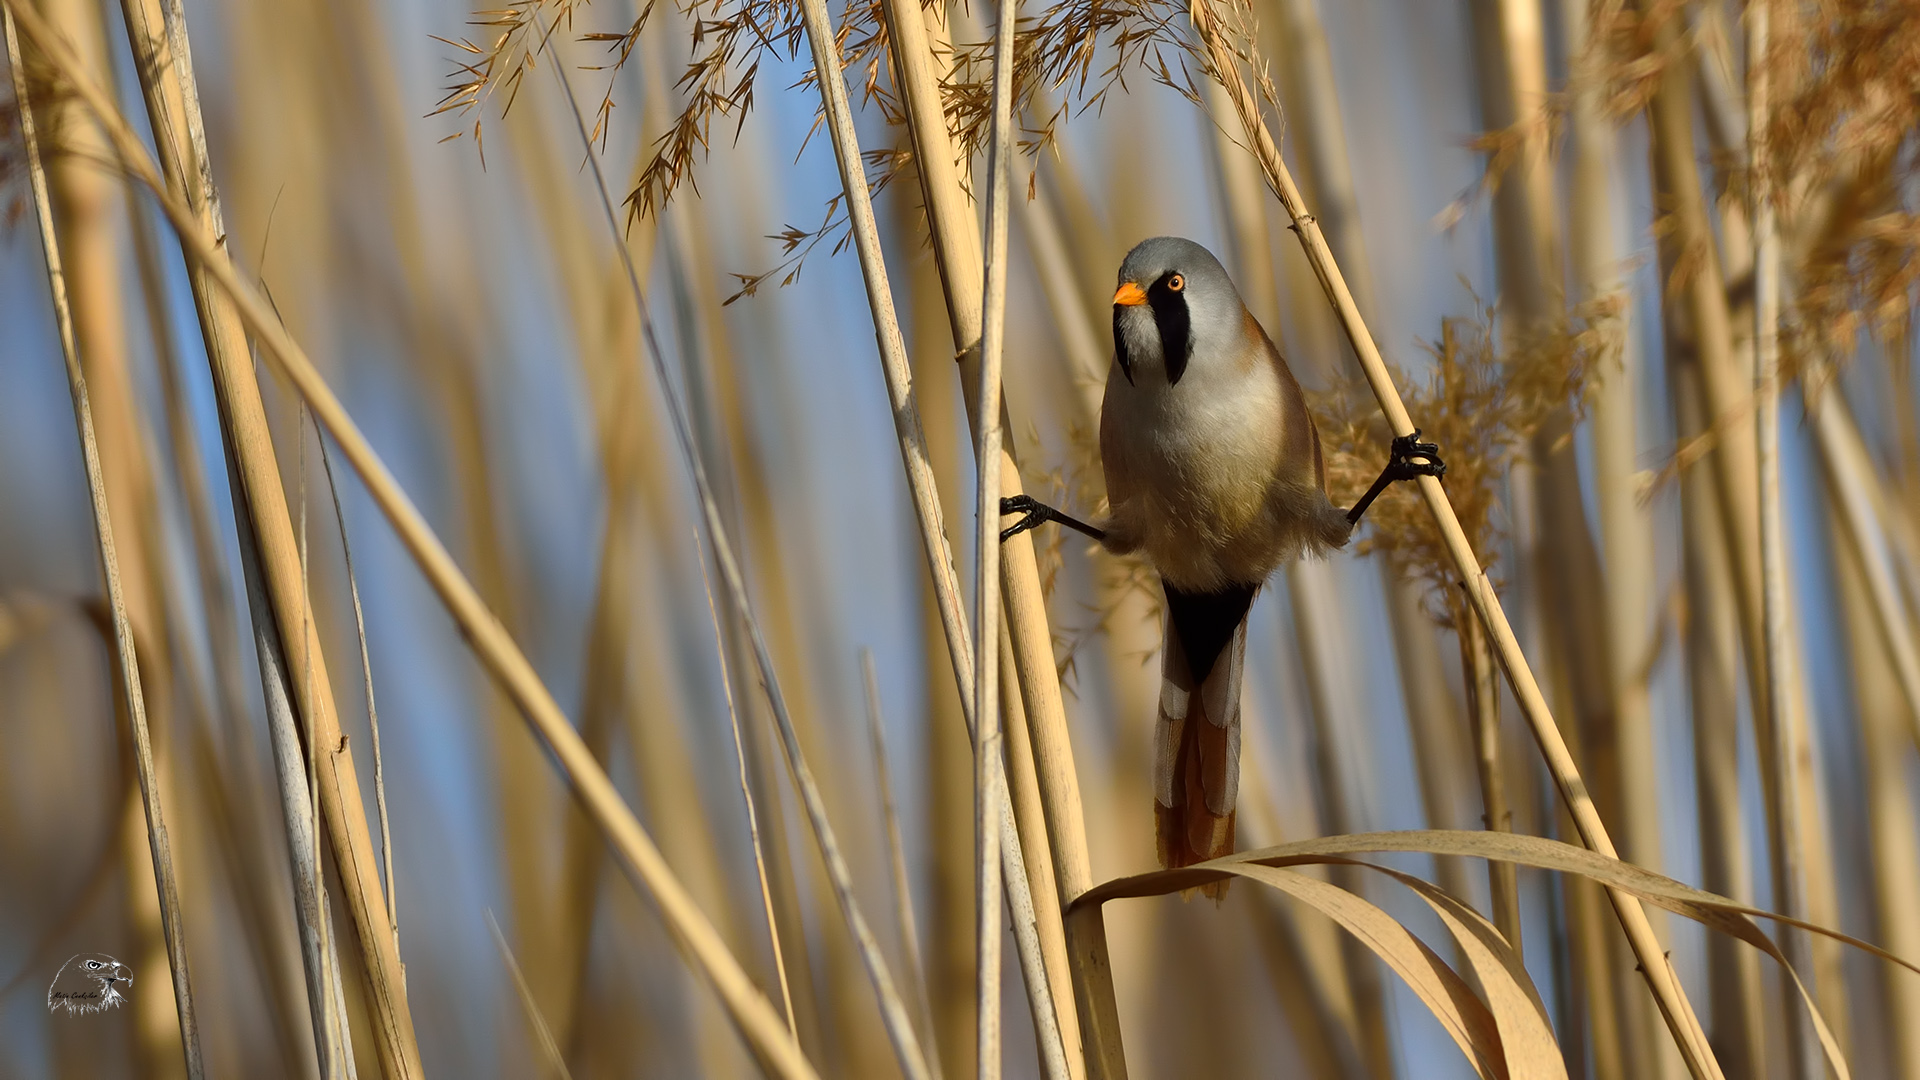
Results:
1175 303
88 983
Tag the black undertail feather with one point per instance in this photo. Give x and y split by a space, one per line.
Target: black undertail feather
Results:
1206 622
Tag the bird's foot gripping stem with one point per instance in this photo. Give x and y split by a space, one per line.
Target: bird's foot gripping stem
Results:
1407 458
1036 514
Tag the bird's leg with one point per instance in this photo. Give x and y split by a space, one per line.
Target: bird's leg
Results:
1039 513
1408 458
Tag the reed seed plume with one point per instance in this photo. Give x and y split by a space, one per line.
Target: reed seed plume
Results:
1483 399
1845 163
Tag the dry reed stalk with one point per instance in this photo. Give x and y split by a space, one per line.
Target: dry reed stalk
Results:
746 796
1433 717
1037 960
1319 1006
635 485
947 777
1655 966
1625 526
1692 262
1803 1055
1313 101
708 365
543 1034
83 201
527 795
998 813
159 845
1483 711
1850 479
165 69
908 926
988 748
748 503
893 1012
223 741
1778 656
1312 590
1614 727
373 713
1893 838
957 247
496 649
1712 642
1313 105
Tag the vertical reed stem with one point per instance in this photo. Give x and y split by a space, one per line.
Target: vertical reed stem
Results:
159 845
1803 1051
1483 710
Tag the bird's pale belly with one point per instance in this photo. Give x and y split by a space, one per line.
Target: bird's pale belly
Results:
1206 518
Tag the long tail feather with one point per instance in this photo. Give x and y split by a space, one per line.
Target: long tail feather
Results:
1196 769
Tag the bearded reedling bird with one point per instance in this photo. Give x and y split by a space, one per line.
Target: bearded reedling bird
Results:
1214 475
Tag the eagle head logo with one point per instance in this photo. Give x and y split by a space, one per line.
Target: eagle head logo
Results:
90 982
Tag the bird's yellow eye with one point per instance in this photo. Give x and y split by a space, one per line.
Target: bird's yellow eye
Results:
1176 283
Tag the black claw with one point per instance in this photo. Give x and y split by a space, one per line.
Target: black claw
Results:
1038 514
1407 458
1411 457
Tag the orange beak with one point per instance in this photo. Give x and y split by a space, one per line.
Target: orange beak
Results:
1129 295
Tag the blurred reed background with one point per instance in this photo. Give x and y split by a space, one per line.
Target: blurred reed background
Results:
1675 394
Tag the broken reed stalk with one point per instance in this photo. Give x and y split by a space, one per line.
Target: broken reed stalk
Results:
282 622
1031 929
1654 964
691 929
987 747
158 843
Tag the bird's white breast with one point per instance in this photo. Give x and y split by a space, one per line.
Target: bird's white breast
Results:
1200 461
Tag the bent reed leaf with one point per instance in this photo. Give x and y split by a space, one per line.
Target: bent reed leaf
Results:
1717 912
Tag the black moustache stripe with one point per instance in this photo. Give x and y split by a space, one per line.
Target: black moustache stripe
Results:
1176 329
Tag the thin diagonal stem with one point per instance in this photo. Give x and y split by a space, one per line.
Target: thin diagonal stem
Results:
366 671
746 796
